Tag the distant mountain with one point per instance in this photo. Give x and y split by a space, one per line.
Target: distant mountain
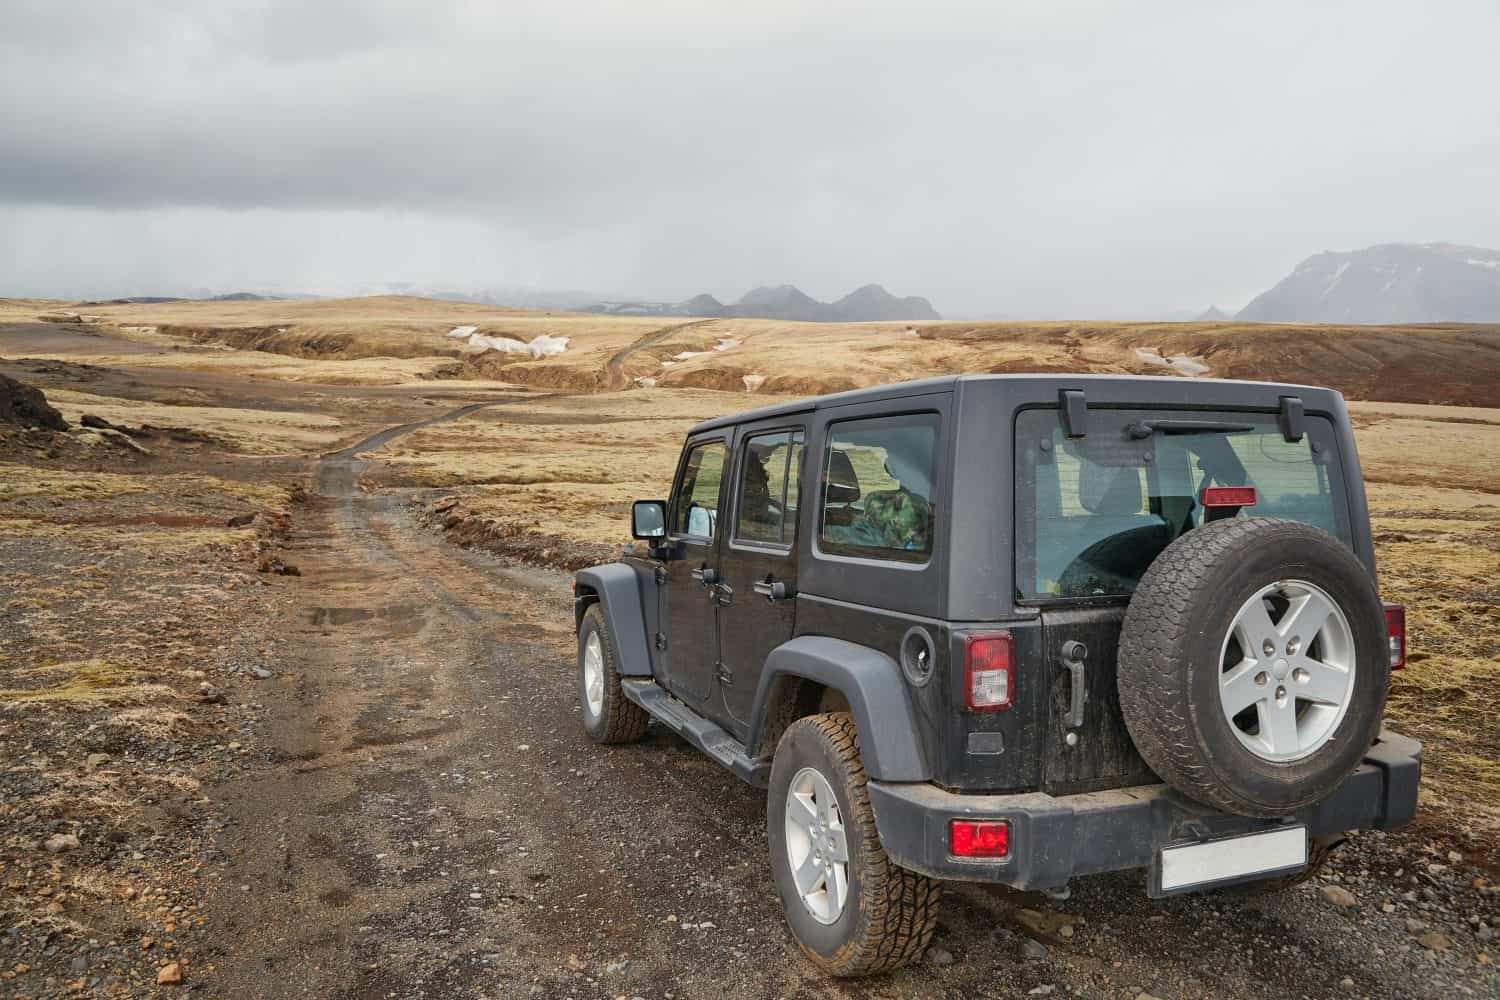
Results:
872 303
1213 314
244 297
1390 283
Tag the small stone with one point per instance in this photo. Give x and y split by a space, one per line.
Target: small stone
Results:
1339 896
147 942
1066 930
939 957
1437 869
1347 983
93 760
1434 941
1387 907
576 964
1414 926
1040 991
615 968
59 842
1485 933
1143 995
261 673
1034 950
1455 857
170 974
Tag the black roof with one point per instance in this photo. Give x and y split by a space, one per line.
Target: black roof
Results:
896 390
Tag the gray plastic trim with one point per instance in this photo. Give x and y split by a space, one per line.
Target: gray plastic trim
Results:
619 591
872 683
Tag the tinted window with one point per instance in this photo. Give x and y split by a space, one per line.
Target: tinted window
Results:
1093 512
766 510
696 510
878 482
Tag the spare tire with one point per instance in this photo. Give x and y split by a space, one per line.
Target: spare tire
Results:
1253 665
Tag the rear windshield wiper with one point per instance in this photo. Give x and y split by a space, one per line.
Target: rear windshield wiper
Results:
1145 428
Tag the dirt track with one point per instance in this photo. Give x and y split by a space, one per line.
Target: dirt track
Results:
431 821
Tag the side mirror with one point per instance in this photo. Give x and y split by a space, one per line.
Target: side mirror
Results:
648 519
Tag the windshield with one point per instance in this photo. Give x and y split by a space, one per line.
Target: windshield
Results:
1093 512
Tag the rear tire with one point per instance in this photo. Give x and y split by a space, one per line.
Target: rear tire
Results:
885 915
608 716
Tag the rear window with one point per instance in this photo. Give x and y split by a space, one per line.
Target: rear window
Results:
1093 512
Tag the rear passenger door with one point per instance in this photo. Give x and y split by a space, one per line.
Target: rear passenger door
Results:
758 562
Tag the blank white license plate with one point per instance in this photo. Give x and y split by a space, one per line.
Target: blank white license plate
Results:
1233 858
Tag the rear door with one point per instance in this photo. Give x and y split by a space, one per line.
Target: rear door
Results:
1093 511
689 581
758 562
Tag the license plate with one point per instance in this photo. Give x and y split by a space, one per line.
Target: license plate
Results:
1232 859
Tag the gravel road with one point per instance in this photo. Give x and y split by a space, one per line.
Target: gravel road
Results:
428 820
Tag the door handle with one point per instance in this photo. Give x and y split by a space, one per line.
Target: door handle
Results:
1073 654
706 575
772 590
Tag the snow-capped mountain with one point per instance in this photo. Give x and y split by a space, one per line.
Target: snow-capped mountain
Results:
1390 283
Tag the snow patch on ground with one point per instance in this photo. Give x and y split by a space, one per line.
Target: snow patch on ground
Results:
1182 364
668 364
462 332
541 346
912 331
753 382
139 329
727 344
645 382
687 354
1493 265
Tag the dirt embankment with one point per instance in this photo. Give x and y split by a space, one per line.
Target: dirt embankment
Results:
311 344
509 538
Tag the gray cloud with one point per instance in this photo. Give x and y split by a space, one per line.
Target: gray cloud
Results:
1066 157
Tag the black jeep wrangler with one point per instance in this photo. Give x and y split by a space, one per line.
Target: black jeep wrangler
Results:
1013 629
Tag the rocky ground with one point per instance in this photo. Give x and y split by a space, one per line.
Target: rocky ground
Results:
261 741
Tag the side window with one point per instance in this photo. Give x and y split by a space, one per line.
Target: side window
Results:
697 504
766 508
878 485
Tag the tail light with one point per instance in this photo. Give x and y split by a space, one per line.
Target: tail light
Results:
969 838
1395 630
989 671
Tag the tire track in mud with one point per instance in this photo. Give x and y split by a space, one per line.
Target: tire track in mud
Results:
615 367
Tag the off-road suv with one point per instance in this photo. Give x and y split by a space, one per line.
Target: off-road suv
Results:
1013 629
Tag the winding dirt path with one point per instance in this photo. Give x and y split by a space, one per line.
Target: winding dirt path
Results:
616 365
428 820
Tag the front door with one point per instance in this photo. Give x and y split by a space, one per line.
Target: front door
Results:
690 591
758 565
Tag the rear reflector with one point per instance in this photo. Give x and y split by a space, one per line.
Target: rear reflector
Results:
989 671
1395 628
1229 496
979 838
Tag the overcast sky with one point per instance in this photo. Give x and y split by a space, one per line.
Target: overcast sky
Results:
1015 158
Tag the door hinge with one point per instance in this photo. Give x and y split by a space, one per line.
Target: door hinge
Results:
661 640
725 675
660 575
722 594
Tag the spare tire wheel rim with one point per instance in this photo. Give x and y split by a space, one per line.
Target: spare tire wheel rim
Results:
593 675
1287 669
816 847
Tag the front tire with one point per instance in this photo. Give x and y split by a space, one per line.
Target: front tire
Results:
852 911
608 716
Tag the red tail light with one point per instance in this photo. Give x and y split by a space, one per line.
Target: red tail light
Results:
1229 496
979 838
989 671
1395 628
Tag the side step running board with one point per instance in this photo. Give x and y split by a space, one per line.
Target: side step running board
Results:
697 730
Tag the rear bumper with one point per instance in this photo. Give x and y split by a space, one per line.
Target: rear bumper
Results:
1054 838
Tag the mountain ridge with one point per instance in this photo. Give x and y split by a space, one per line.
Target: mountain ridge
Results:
866 304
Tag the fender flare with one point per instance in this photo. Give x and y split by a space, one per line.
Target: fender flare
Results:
878 698
617 588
